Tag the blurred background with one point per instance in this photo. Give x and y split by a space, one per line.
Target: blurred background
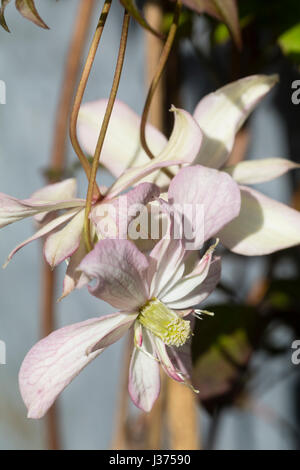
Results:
250 397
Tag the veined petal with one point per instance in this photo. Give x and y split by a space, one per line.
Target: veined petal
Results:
120 272
122 148
57 359
72 276
221 114
201 291
126 320
188 283
263 226
123 209
165 361
211 190
45 230
64 242
182 147
144 379
12 209
168 256
61 191
260 170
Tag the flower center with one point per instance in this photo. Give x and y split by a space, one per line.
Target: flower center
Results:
164 323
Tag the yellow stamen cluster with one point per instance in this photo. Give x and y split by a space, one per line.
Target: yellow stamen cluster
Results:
164 323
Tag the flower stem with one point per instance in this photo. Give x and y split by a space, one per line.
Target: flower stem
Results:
161 66
109 108
81 89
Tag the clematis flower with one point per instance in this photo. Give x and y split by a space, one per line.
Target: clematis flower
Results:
154 294
64 232
263 225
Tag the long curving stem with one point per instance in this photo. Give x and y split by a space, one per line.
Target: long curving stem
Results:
81 89
109 108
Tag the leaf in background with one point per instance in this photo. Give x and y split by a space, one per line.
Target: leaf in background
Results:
28 10
289 42
221 348
4 3
131 7
224 10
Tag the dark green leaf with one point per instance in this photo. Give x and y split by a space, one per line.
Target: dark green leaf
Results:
221 348
289 42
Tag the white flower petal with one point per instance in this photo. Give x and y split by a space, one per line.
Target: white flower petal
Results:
144 379
263 226
45 230
122 148
261 170
221 114
64 242
182 147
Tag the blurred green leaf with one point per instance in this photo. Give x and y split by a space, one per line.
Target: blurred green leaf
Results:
221 348
284 294
222 33
131 7
278 17
185 23
289 42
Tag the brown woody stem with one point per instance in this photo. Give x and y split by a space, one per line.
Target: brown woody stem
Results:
81 89
55 172
109 108
161 66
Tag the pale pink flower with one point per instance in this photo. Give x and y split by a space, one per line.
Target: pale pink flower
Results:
64 232
263 225
153 294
